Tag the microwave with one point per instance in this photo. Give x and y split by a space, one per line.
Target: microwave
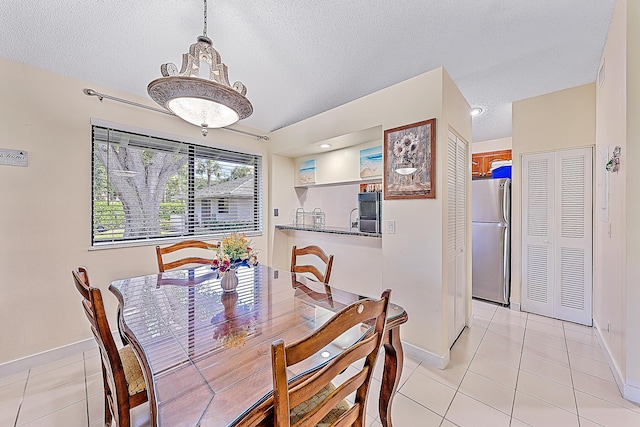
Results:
370 211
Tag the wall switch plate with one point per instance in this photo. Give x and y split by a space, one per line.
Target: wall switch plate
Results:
275 212
391 227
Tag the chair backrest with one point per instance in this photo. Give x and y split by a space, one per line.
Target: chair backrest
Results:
115 383
187 244
286 397
312 250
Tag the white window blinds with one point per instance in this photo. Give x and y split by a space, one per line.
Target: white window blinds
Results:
149 188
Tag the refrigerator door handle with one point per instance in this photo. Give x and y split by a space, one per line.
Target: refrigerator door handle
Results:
506 200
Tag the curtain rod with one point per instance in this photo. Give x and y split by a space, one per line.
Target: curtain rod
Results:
101 96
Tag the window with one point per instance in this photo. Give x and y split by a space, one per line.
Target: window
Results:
223 206
148 188
205 211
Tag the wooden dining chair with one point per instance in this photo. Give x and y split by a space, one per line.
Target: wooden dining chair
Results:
187 244
315 400
318 252
124 385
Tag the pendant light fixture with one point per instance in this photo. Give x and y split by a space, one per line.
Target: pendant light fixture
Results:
207 101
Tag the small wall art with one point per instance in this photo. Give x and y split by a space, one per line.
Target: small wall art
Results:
307 172
371 164
409 161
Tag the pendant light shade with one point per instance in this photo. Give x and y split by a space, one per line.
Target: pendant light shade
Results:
205 101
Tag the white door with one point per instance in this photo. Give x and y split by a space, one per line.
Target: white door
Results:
457 177
557 234
461 234
537 233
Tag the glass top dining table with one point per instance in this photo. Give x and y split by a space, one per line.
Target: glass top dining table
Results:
206 353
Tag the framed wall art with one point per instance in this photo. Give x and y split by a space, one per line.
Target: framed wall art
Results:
307 172
409 161
371 162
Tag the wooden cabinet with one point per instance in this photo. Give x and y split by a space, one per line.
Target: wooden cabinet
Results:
481 162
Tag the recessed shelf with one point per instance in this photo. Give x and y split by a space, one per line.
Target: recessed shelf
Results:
330 184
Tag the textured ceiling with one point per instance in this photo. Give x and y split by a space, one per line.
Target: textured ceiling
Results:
302 57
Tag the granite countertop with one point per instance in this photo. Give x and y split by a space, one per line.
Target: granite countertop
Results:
330 230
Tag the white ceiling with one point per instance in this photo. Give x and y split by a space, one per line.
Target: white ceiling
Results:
301 57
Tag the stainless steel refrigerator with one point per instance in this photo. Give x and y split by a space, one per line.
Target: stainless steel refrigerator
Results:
491 228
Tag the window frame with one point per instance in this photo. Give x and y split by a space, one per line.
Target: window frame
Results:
194 152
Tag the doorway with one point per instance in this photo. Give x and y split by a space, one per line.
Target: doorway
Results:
557 234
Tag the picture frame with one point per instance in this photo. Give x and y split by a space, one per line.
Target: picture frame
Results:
371 165
307 172
409 161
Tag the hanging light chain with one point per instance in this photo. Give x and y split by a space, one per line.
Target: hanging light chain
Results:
204 30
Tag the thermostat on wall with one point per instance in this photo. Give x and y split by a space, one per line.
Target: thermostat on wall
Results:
13 157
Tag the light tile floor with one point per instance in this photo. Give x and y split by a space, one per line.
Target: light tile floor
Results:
507 369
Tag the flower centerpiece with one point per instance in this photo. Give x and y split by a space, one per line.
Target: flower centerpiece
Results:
233 252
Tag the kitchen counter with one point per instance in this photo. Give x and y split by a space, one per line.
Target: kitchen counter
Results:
330 230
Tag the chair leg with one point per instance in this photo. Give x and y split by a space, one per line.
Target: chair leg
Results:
108 417
107 413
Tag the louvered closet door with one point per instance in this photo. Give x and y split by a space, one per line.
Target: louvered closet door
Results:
451 236
457 177
461 233
573 216
557 234
537 233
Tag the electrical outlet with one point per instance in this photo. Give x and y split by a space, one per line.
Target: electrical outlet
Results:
275 212
391 227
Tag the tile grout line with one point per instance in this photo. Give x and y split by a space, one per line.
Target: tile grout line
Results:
515 392
573 386
467 370
574 389
24 391
86 390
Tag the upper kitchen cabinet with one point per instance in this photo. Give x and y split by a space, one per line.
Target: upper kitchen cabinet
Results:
481 162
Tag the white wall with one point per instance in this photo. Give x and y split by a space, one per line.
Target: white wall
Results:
632 386
357 264
609 252
335 201
491 145
617 249
412 261
456 112
49 116
556 121
45 208
340 167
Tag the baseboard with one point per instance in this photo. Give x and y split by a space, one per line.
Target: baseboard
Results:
628 391
631 393
425 356
515 306
28 362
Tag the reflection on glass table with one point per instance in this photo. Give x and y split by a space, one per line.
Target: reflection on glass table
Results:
206 353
